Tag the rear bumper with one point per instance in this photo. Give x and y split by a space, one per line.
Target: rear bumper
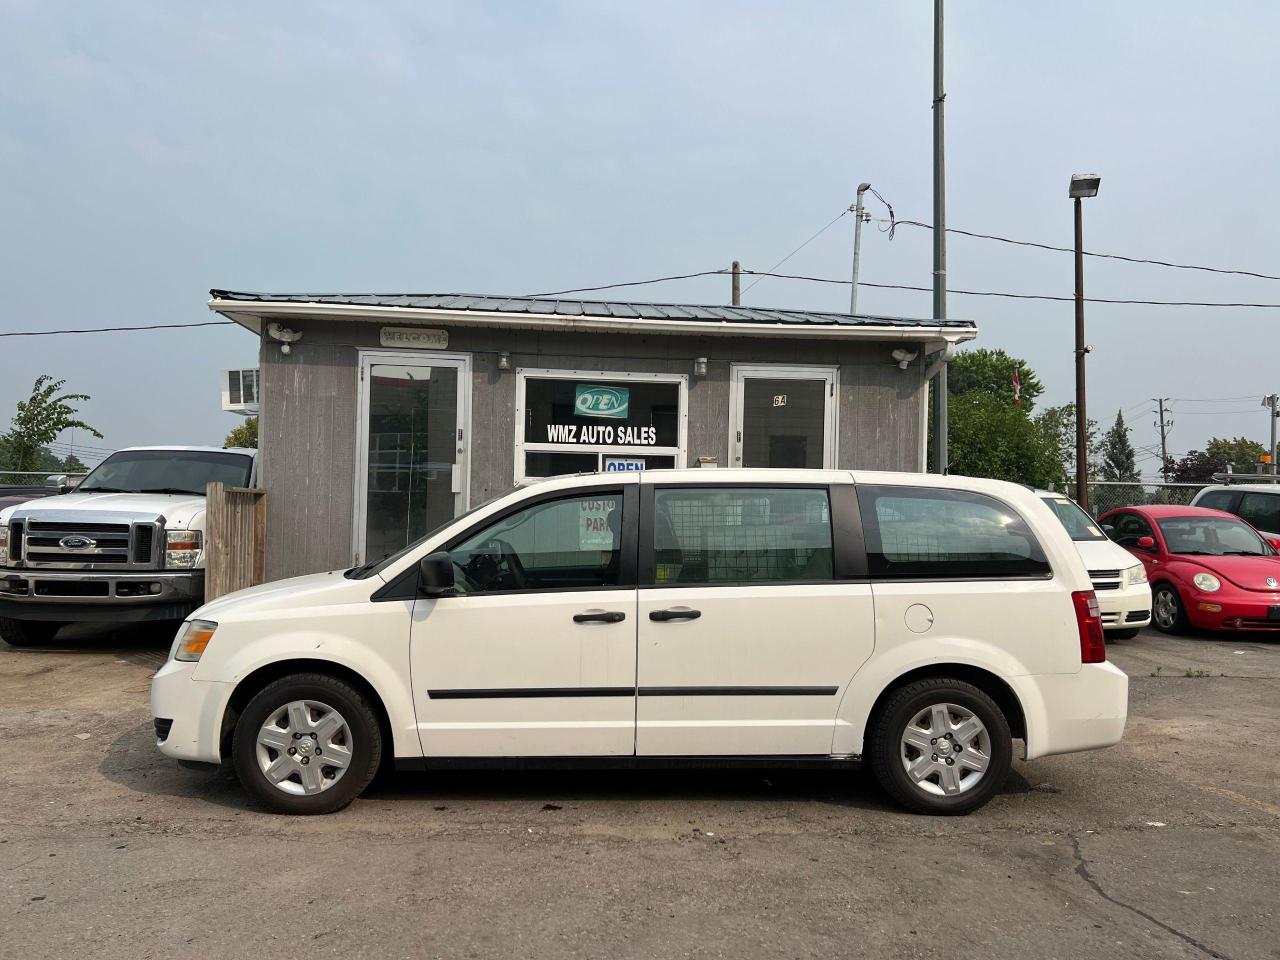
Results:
77 596
193 710
1074 711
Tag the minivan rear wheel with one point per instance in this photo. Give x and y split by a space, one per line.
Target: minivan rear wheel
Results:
940 746
307 743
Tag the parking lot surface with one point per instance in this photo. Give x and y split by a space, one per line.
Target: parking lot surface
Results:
1166 846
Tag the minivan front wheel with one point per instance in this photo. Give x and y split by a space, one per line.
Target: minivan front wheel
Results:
941 746
307 743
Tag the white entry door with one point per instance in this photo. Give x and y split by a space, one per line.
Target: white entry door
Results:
411 470
783 416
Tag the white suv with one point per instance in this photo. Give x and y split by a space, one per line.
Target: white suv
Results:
1120 582
1257 504
664 619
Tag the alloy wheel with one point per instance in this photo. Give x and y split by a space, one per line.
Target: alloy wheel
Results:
1164 608
945 749
304 747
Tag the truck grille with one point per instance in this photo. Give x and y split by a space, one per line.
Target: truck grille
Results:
84 545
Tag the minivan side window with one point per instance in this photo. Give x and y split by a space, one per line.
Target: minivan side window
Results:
704 536
1262 510
1216 500
921 532
572 543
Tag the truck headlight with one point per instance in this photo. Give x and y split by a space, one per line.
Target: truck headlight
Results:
182 548
1135 575
4 543
1206 582
191 640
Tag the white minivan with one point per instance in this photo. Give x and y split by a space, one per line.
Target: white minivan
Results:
669 618
1120 581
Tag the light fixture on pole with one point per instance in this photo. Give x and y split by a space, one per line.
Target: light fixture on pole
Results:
858 216
1082 185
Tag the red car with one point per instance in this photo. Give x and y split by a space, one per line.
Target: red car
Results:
1208 569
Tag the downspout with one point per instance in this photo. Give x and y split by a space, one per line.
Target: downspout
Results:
936 369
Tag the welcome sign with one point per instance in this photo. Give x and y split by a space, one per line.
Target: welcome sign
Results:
611 402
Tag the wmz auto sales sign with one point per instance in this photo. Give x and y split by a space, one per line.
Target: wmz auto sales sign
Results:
602 434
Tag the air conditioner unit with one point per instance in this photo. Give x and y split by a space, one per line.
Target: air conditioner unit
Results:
240 391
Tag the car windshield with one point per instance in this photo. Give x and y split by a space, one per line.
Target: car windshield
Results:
1212 536
167 471
1079 524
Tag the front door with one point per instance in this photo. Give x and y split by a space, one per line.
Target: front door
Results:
412 472
783 416
746 638
535 655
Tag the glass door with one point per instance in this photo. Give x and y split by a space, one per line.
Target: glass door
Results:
783 416
411 476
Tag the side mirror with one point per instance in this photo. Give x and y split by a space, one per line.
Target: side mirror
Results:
1109 530
1146 543
435 573
1275 543
58 483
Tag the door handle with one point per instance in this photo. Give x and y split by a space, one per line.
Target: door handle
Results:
603 616
675 613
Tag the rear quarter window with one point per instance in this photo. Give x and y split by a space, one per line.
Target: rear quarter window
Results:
918 532
1260 509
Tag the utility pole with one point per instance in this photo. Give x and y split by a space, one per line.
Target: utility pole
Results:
1272 401
1163 425
941 456
737 284
1082 185
858 216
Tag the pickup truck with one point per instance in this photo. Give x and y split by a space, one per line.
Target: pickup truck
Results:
127 546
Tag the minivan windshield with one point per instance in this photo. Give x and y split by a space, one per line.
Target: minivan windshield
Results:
167 471
1079 524
1212 536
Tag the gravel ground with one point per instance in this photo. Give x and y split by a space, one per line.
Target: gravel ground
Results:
1166 846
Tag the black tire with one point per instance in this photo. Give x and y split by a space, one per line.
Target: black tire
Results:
365 746
27 633
890 723
1127 634
1167 593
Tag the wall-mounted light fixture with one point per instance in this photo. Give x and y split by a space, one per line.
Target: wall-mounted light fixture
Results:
283 335
904 357
504 361
700 367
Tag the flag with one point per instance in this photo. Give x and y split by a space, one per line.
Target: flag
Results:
1017 388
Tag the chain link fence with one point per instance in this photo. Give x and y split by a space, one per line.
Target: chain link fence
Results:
35 478
1106 495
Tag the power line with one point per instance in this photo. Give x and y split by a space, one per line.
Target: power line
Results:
151 326
1087 253
768 272
1213 399
635 283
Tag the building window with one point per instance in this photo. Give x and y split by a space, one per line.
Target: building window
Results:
579 421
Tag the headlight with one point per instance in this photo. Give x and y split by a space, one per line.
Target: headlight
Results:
1206 582
192 639
181 548
4 543
1135 575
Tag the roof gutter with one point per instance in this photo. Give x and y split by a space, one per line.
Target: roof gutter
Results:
248 313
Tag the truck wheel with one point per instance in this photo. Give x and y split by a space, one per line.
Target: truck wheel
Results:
940 746
27 633
307 743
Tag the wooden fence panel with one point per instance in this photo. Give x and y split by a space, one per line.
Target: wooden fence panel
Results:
235 539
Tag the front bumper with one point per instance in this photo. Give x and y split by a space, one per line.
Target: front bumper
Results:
76 595
1125 608
194 709
1234 612
1066 712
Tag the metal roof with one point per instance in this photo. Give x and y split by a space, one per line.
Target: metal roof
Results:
616 309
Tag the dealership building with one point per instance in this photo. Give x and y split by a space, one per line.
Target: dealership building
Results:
382 416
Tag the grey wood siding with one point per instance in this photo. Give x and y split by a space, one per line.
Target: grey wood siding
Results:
308 423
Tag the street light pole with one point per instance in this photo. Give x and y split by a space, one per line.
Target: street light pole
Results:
1272 401
858 216
1082 185
940 426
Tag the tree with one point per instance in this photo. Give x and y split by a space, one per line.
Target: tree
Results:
72 464
39 421
1119 461
245 435
1241 453
991 371
990 437
1196 467
1059 423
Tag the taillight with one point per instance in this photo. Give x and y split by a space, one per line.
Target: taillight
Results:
1093 645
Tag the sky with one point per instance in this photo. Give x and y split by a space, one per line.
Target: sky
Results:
152 150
